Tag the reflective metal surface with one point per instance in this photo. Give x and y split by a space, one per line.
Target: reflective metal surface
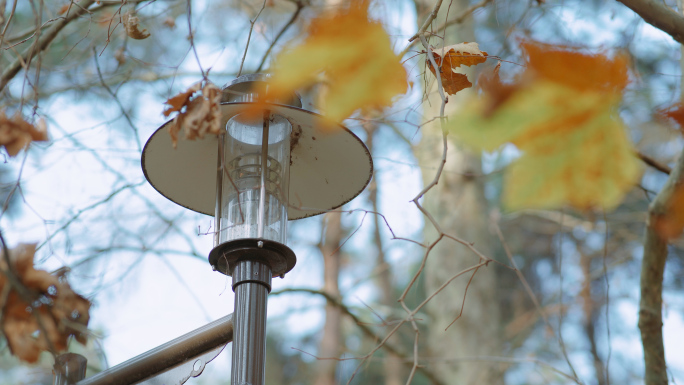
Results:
251 283
69 368
179 355
180 373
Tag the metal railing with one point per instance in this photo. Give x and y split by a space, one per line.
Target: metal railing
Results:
171 363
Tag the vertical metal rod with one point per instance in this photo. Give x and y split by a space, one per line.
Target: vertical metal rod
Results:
264 169
251 284
219 190
69 369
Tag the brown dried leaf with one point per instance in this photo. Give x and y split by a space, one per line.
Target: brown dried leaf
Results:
181 100
200 116
63 9
169 22
120 55
451 57
54 313
16 133
131 24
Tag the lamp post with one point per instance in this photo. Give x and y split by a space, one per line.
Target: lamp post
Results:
254 177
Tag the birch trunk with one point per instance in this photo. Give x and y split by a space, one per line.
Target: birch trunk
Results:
458 204
330 345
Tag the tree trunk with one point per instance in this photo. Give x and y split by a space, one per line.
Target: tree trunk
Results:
458 204
652 270
330 346
392 365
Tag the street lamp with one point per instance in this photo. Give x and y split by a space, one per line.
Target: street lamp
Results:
280 164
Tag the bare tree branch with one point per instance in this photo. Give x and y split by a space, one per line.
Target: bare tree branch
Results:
654 163
659 16
652 270
364 328
13 69
295 15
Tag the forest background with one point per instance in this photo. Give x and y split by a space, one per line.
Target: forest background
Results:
433 275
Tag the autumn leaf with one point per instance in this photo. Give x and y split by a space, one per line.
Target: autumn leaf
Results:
674 113
46 320
170 23
496 91
452 57
131 25
198 112
62 10
16 133
354 53
561 113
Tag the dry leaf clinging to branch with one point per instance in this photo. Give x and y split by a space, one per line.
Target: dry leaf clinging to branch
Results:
131 24
16 133
196 116
47 319
450 58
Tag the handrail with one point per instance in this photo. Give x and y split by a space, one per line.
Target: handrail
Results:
165 356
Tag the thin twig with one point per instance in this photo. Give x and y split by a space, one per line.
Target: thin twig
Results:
607 306
560 299
426 24
249 37
364 328
42 43
191 37
654 163
116 99
7 23
295 15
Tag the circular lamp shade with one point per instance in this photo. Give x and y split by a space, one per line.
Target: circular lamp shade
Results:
328 167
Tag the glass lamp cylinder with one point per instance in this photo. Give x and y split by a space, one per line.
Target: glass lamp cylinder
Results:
255 172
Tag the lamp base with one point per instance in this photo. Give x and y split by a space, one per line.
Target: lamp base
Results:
279 257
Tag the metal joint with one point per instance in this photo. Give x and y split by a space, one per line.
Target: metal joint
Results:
252 271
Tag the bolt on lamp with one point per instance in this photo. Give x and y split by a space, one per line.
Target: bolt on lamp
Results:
256 175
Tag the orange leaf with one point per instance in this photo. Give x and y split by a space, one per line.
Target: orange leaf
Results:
451 57
583 72
181 100
674 113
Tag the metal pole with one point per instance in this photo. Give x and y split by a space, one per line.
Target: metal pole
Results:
69 369
264 169
251 284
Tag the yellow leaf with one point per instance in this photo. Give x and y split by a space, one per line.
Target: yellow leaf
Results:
356 56
575 149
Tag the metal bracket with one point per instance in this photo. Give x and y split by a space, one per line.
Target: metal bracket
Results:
180 373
